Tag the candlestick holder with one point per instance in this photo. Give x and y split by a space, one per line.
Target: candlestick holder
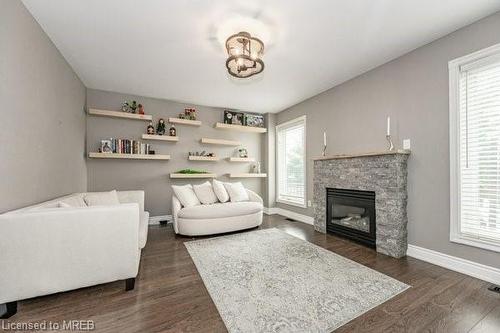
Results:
324 151
389 141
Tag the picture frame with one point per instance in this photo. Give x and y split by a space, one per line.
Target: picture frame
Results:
254 120
106 146
234 118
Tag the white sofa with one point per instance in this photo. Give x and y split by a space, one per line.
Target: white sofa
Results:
45 249
217 218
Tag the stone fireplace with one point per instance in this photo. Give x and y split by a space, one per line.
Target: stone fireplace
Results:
343 188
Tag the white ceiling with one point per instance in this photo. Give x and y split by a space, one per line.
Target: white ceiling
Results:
173 49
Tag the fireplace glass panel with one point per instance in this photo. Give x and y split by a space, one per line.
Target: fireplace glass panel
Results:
351 217
351 214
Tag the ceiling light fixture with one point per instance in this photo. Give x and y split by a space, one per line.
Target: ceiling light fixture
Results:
244 55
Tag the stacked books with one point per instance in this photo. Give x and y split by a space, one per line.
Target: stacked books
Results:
125 146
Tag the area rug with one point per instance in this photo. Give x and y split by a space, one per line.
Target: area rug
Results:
270 281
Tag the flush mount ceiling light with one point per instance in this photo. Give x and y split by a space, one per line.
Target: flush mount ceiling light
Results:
244 55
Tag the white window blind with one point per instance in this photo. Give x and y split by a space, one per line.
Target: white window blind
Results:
291 164
479 150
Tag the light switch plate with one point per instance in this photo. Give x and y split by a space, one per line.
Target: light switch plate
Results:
309 203
406 144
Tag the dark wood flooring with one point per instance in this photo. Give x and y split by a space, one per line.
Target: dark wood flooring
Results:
170 296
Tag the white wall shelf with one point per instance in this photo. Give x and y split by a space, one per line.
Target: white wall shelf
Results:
247 175
119 114
203 158
192 175
240 128
160 137
241 159
130 156
180 121
220 142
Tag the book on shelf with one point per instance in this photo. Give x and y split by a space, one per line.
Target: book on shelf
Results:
125 146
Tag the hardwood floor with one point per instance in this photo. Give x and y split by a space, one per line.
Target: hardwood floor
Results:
169 295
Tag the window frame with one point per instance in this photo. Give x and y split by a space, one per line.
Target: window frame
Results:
454 67
301 119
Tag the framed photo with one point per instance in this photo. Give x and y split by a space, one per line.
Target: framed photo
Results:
254 120
234 118
106 146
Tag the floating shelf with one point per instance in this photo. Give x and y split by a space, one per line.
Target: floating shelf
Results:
160 137
130 156
184 121
119 114
203 158
220 142
192 175
240 128
241 159
247 175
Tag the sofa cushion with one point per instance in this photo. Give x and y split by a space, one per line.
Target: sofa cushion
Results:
220 191
205 193
219 210
74 201
102 198
236 192
186 195
143 229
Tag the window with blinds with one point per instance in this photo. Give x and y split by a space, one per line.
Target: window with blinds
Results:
476 118
291 162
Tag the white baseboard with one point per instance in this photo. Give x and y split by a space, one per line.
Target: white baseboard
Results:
287 213
157 219
480 271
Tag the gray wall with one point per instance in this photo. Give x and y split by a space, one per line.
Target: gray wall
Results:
42 129
152 176
413 90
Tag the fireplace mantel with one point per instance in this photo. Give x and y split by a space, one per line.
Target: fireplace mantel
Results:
384 173
375 153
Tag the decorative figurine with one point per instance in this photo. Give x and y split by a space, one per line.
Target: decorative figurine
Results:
133 106
141 109
243 152
125 106
129 107
172 131
160 128
151 129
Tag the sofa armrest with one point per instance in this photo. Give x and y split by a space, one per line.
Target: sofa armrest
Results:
254 197
53 250
132 197
176 207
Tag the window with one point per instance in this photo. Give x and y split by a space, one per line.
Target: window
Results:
475 149
291 163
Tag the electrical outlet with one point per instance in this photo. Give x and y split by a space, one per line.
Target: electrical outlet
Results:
406 144
309 203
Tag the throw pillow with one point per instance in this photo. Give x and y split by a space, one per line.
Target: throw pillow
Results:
74 201
186 195
220 191
205 193
236 192
102 198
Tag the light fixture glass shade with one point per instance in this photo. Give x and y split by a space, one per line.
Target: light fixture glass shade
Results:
244 55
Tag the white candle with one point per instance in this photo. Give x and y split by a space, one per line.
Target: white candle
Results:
324 138
388 125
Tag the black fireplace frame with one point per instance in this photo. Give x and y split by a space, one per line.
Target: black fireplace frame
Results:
342 196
